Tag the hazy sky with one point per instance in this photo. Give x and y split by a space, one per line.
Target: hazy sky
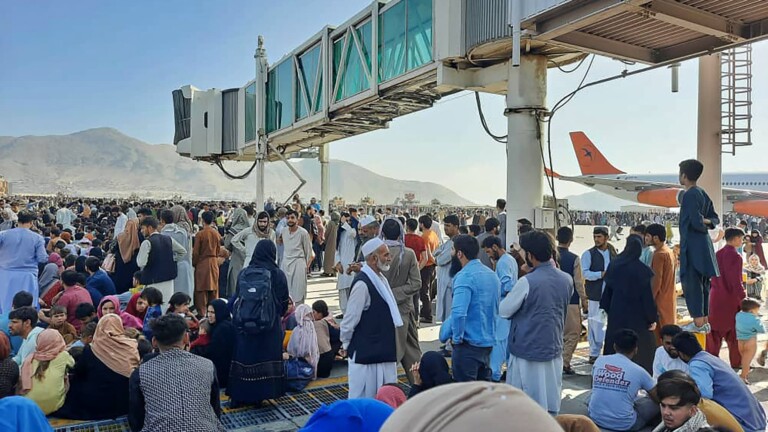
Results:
68 66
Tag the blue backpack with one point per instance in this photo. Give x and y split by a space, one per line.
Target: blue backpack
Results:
254 310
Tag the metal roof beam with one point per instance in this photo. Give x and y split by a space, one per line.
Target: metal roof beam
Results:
607 47
694 19
701 45
582 16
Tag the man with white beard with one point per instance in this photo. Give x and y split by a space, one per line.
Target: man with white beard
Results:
368 331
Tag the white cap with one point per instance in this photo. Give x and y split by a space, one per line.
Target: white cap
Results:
367 220
371 246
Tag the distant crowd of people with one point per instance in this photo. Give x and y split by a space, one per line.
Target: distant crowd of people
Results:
148 312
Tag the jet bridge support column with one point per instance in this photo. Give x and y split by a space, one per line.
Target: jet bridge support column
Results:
526 100
325 177
709 146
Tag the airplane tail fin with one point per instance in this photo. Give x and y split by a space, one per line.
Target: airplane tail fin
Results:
591 160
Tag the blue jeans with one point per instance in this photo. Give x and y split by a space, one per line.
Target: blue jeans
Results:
471 363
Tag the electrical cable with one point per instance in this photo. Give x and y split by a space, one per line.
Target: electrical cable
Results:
558 66
499 138
218 163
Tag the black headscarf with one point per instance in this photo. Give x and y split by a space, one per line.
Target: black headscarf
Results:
628 262
222 344
264 255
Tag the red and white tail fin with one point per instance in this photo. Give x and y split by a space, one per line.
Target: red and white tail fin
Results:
591 160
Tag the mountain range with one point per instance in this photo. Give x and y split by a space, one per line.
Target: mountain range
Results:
104 162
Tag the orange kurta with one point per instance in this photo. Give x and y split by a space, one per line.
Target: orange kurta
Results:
663 266
205 256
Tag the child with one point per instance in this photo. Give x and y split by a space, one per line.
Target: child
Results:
137 286
755 272
86 337
199 346
179 304
86 313
154 299
60 324
327 333
747 327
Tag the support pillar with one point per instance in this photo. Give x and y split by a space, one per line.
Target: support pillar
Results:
709 147
260 165
325 177
526 95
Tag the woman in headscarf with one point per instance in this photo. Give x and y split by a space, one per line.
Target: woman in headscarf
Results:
478 405
755 274
331 234
22 415
111 305
9 370
431 371
757 246
237 224
48 277
628 301
137 307
257 367
392 395
126 249
56 259
181 218
222 343
303 342
44 372
99 385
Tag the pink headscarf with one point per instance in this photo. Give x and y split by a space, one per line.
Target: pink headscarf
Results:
50 344
55 258
391 395
127 319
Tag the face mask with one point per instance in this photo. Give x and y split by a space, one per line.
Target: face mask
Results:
455 266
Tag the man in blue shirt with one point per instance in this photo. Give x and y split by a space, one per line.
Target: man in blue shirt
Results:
98 283
506 271
717 381
473 312
616 379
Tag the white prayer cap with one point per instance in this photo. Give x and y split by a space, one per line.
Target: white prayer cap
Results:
367 220
371 246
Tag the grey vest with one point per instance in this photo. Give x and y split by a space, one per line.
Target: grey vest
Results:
537 328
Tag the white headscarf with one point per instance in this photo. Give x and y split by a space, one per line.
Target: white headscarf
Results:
303 342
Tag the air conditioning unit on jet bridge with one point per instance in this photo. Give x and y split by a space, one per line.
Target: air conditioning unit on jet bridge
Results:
210 124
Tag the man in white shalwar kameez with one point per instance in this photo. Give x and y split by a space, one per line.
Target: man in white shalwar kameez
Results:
346 248
368 331
65 217
537 306
297 256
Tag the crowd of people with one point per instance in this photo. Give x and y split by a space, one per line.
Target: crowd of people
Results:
109 309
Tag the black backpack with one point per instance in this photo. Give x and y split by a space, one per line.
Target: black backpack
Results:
254 310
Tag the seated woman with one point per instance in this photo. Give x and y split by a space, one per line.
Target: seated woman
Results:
111 305
288 322
328 341
44 372
99 383
9 370
303 342
222 344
